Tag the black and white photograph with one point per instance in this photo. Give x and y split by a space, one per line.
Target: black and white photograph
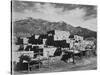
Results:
52 37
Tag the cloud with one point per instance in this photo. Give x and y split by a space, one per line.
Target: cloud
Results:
49 11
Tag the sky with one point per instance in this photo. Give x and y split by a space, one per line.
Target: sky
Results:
74 14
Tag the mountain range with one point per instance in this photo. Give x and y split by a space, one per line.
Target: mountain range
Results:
40 26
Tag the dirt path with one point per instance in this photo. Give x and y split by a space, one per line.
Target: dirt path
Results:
59 66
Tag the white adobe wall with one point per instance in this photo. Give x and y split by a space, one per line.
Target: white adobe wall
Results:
44 41
78 37
61 35
37 36
25 40
16 55
49 51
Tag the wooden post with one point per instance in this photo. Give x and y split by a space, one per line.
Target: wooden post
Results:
39 60
28 65
28 68
73 58
48 60
73 53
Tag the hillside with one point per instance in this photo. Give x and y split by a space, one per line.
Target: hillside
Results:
39 26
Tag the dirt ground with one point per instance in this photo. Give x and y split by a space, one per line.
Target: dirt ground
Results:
60 66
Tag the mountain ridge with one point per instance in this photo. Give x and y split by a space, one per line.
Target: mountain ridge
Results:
39 26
